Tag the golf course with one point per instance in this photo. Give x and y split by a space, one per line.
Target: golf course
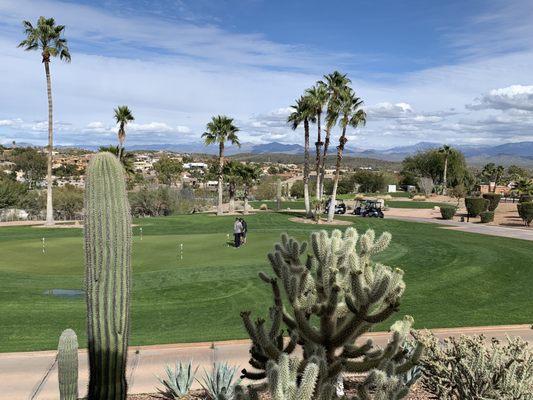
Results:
189 285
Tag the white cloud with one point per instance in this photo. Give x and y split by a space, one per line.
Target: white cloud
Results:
517 97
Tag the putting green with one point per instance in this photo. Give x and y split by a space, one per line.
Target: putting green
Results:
453 278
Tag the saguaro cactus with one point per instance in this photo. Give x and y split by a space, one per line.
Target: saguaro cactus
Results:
67 365
332 298
107 276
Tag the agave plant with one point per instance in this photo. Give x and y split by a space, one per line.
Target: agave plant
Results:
220 382
178 381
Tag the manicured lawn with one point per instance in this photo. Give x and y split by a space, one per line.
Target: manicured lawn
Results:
413 204
293 205
453 278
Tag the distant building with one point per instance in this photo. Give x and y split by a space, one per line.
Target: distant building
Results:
493 188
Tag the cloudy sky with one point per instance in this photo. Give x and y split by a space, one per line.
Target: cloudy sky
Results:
456 71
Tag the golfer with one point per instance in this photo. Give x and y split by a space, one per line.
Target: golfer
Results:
237 232
244 231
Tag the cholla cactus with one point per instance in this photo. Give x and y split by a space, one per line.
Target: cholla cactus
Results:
107 276
334 297
470 367
67 365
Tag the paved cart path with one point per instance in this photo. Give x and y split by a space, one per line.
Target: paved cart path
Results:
22 373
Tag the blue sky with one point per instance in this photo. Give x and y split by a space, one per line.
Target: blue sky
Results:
442 71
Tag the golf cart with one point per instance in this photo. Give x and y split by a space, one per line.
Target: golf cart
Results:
340 208
368 208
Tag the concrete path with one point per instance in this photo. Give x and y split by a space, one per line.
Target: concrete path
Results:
492 230
22 373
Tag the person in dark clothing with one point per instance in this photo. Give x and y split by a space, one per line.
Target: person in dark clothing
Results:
244 231
237 232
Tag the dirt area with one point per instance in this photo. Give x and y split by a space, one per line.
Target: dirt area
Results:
322 221
416 393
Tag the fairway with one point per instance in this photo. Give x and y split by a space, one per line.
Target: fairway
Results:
453 278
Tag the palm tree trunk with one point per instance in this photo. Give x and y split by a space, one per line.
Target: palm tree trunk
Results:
340 149
49 202
444 178
245 210
323 162
231 188
220 211
318 145
306 169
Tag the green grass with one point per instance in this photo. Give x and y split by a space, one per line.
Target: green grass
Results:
413 204
453 278
293 205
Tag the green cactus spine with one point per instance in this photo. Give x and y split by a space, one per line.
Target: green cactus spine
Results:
67 365
107 276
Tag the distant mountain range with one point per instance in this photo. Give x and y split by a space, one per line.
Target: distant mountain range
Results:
520 153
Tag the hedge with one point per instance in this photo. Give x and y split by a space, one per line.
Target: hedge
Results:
525 210
487 216
447 212
476 205
494 200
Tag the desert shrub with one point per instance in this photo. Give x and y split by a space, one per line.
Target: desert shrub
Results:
494 200
525 198
297 189
266 189
426 185
487 216
263 207
11 193
68 201
525 210
178 381
419 198
476 205
220 382
447 212
470 368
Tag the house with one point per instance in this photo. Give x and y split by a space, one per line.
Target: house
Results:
493 188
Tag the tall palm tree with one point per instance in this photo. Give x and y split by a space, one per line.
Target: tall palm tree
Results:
221 130
318 97
335 83
350 115
446 151
47 37
123 115
304 113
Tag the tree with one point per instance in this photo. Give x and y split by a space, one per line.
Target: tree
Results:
247 175
446 151
168 170
492 173
351 115
318 98
32 163
221 130
430 164
335 84
232 177
123 115
127 159
303 112
47 37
